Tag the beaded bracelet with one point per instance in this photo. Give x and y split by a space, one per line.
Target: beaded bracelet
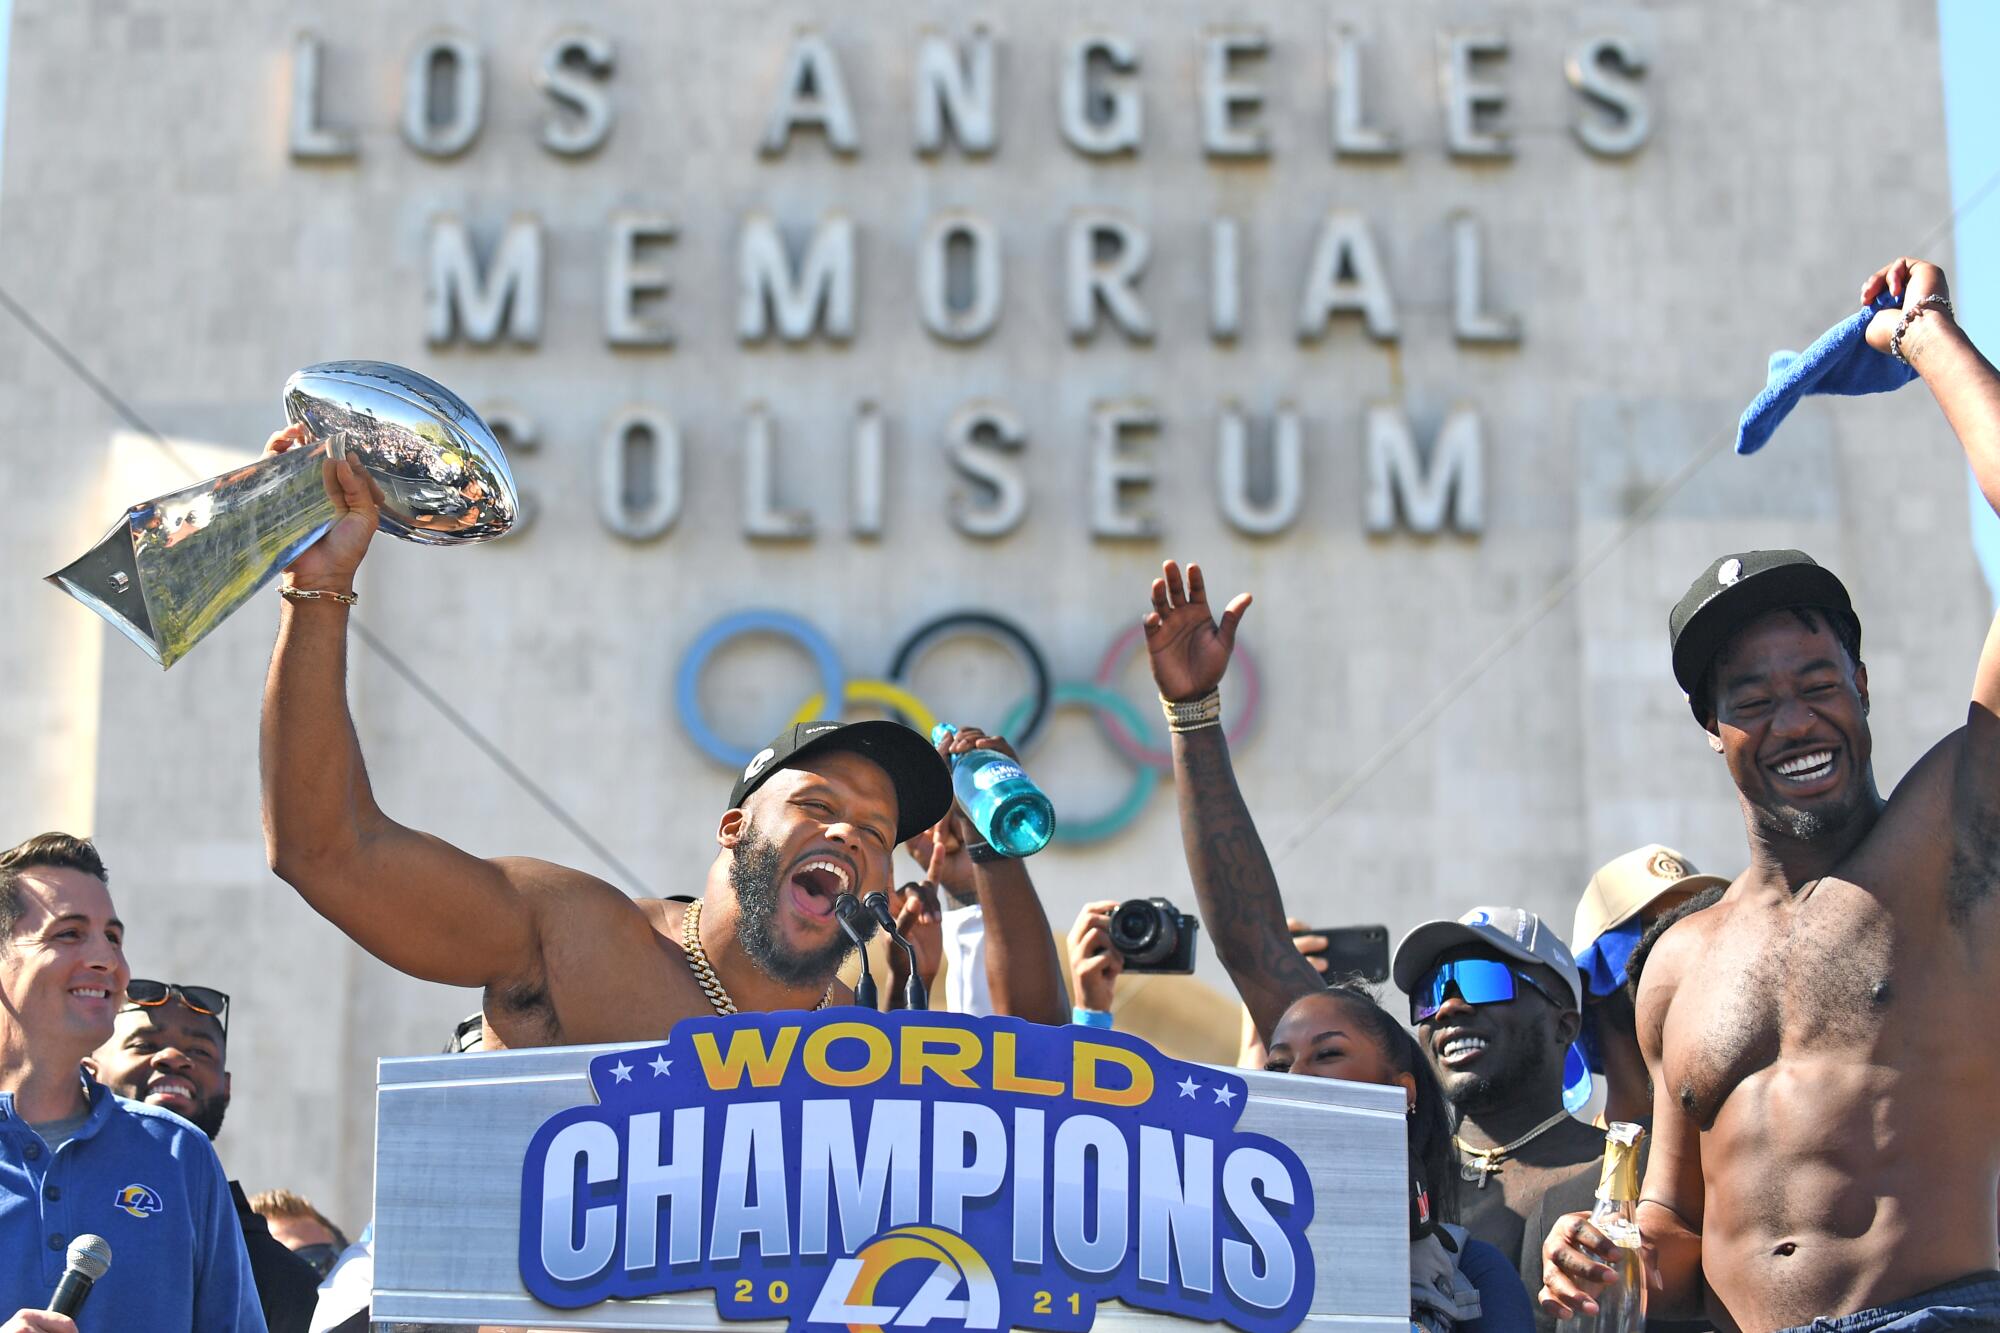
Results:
1910 313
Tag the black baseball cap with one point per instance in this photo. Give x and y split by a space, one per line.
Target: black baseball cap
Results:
919 773
1734 591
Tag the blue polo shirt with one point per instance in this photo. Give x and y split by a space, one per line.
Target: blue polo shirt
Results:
150 1184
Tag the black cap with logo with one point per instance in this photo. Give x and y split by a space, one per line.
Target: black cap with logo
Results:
920 775
1737 589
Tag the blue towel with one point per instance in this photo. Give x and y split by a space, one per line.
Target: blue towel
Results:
1840 362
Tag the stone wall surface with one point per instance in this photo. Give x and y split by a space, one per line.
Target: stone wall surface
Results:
155 219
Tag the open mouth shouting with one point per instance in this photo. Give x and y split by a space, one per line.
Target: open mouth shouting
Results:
1805 772
817 882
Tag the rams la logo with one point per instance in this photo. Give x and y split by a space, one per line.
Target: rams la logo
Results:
140 1201
956 1283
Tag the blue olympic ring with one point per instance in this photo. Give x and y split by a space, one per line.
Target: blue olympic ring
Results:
687 686
1126 725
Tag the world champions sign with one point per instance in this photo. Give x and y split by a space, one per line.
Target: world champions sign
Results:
915 1170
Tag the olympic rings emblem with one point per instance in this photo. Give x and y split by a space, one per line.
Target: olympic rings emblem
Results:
1126 726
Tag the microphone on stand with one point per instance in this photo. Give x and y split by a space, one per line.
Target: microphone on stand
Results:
859 925
89 1260
914 994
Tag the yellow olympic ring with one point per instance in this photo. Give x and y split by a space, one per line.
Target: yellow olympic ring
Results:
881 693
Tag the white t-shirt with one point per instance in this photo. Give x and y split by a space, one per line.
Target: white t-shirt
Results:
965 961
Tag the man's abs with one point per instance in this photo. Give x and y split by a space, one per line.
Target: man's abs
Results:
1840 1088
1833 1184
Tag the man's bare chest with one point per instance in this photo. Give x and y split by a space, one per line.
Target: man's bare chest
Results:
1829 971
631 987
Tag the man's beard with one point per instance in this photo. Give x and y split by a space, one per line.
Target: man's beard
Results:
753 873
1811 826
1476 1094
207 1117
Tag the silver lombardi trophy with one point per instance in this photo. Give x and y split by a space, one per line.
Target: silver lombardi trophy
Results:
174 567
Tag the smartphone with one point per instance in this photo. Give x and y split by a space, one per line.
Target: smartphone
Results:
1355 951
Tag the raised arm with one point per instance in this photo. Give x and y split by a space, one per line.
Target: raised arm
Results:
1968 389
419 904
1234 888
1023 969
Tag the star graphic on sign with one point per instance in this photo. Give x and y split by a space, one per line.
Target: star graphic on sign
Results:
622 1071
661 1065
1226 1095
1188 1087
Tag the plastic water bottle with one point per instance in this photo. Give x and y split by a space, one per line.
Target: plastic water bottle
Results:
1007 808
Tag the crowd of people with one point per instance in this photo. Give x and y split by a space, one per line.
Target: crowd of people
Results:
1823 1151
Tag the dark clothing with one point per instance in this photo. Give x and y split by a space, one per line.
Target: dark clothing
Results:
1967 1303
1553 1174
1503 1306
287 1287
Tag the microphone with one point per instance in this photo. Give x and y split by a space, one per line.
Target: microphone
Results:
89 1259
859 927
914 994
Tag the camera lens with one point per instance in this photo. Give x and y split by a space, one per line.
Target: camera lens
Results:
1143 931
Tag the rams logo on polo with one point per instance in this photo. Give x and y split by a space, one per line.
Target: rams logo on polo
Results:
140 1201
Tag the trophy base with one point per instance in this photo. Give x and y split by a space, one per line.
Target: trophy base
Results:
106 579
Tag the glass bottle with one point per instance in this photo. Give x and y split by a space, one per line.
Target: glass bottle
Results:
1621 1307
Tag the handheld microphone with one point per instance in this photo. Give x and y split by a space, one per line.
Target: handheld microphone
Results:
859 926
914 994
89 1259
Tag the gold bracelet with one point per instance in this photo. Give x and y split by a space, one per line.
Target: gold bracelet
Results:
1193 714
315 594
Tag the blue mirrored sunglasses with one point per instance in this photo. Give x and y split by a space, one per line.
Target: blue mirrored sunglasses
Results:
1477 981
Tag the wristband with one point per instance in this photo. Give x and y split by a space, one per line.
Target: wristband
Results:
1193 714
1090 1018
985 853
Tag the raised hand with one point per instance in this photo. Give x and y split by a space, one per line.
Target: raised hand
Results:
1188 650
330 562
945 859
1911 280
920 922
1093 964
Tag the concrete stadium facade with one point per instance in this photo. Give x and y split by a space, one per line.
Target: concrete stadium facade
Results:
1395 315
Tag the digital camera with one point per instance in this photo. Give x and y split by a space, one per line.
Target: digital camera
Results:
1153 935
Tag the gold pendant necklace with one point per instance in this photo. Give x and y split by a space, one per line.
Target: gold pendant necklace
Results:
1483 1164
704 971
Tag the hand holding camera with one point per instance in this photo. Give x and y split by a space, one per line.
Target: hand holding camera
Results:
1094 964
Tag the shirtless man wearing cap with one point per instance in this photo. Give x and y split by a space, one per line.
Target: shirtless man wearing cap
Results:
565 958
1825 1142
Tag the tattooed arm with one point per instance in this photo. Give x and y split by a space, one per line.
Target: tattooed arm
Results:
1234 887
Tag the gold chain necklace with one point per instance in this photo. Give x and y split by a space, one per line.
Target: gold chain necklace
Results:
1484 1163
704 971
